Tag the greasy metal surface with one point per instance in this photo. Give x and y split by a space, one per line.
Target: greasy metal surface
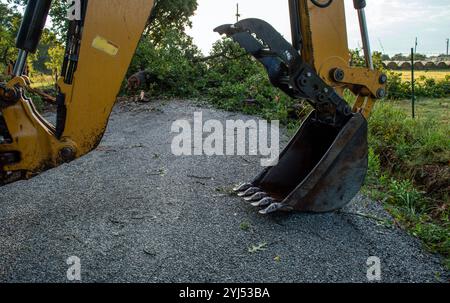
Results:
321 169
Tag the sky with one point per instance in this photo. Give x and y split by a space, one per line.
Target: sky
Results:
393 24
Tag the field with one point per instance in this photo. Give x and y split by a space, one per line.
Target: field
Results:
437 74
438 109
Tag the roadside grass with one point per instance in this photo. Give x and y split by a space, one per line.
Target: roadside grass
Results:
409 170
435 74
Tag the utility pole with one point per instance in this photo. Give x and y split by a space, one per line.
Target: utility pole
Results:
447 45
413 97
237 12
415 47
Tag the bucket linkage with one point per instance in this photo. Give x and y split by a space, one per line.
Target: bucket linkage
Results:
325 164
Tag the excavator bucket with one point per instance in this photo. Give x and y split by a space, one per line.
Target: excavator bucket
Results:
325 164
320 170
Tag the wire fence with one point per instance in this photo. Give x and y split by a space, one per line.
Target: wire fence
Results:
414 83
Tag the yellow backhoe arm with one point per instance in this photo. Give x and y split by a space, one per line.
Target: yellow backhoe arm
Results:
110 32
325 164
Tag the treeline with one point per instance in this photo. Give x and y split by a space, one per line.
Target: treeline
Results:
417 57
177 68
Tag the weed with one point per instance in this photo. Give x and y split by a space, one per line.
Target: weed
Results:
245 226
257 248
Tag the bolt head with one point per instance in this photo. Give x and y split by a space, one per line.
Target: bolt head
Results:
67 154
381 93
338 74
383 79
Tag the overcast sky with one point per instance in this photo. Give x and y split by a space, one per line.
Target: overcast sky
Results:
393 24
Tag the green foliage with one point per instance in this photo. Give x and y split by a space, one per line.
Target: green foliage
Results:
396 88
401 57
235 77
166 15
58 15
410 209
374 167
170 15
404 143
424 87
357 59
403 194
245 226
429 87
408 169
9 25
171 65
10 21
56 57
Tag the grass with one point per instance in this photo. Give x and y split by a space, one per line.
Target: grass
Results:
42 81
409 169
426 108
435 74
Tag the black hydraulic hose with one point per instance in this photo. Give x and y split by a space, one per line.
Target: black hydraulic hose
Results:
32 25
295 24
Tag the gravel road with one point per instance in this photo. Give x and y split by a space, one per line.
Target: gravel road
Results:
134 212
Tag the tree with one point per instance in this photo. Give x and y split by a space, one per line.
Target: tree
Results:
357 59
9 25
419 57
56 57
166 15
399 57
385 57
58 13
170 15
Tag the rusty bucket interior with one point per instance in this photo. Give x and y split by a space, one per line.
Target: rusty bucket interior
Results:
321 170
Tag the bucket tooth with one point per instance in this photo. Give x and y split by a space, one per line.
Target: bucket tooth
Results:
275 207
263 202
256 197
249 192
242 187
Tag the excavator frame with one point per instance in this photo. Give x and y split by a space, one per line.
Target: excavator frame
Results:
98 52
111 30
